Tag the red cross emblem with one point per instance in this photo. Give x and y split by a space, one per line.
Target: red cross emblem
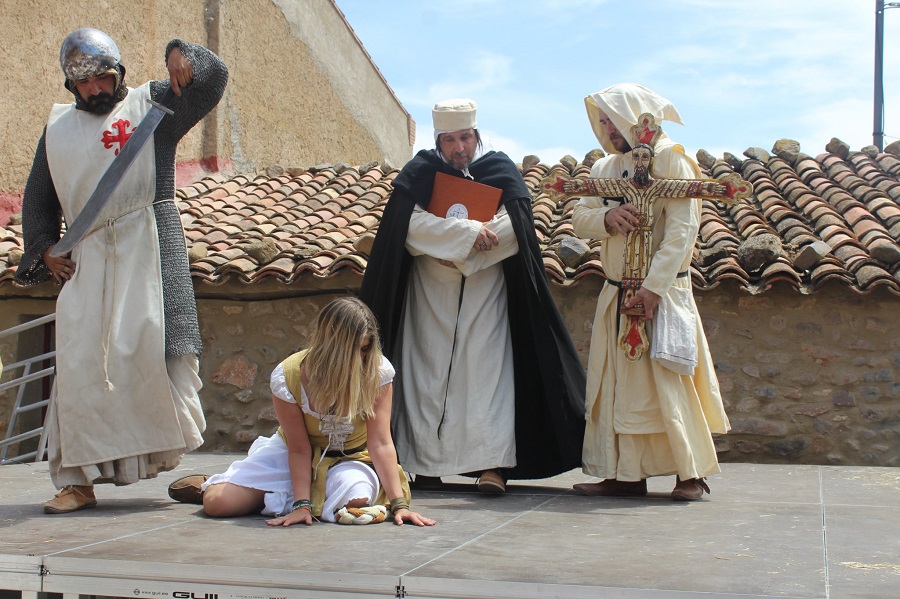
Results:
120 136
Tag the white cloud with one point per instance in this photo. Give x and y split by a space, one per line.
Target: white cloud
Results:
486 71
741 73
517 150
850 120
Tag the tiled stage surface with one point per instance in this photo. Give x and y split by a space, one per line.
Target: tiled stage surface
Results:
766 531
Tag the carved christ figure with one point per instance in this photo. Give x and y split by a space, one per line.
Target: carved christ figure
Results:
641 190
729 188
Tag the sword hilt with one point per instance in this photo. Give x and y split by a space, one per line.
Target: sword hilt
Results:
166 97
165 109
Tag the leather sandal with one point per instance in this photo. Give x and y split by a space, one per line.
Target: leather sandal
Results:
187 489
689 490
611 487
71 499
491 482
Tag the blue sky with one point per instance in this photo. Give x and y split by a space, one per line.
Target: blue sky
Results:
741 74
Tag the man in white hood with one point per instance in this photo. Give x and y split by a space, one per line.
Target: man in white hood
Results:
649 415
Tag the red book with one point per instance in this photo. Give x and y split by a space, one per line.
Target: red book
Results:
458 197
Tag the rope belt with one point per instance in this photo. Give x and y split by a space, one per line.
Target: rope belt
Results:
112 240
618 284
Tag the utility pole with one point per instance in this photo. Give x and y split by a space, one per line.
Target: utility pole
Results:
878 130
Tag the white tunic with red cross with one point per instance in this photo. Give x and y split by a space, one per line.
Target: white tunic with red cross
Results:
113 398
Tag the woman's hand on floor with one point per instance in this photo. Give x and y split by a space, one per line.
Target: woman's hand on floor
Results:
404 515
298 516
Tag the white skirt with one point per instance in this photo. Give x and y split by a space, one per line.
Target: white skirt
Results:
266 468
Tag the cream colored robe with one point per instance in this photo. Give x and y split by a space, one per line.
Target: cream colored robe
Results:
456 401
644 419
121 411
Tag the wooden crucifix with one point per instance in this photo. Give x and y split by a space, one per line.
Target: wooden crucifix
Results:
641 190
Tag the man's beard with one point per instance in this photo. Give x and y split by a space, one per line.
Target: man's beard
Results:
620 144
460 162
641 176
101 104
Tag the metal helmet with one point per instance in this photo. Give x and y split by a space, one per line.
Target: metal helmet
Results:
88 52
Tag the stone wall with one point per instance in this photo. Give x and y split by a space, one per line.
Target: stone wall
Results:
806 379
243 343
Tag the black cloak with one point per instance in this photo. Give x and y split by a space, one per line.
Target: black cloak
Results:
549 376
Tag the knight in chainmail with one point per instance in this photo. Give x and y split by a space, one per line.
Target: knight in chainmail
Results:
125 400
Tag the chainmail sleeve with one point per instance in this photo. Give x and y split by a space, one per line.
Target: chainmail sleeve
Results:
41 219
210 75
197 99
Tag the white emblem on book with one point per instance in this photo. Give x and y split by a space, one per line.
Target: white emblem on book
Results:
457 211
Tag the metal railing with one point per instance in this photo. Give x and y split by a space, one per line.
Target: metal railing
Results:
26 376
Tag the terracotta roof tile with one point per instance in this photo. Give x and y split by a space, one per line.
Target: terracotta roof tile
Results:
313 218
855 213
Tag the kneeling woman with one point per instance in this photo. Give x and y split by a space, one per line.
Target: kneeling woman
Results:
333 403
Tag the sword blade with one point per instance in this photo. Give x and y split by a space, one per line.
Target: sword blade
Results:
111 178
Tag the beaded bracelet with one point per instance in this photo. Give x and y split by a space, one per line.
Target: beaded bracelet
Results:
399 503
302 503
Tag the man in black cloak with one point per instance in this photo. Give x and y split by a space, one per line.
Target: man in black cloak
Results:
488 381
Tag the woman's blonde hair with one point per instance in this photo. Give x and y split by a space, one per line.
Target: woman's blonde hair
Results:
343 380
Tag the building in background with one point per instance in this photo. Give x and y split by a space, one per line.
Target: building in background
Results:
302 89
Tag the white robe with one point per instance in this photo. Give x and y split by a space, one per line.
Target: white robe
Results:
456 386
120 412
643 418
